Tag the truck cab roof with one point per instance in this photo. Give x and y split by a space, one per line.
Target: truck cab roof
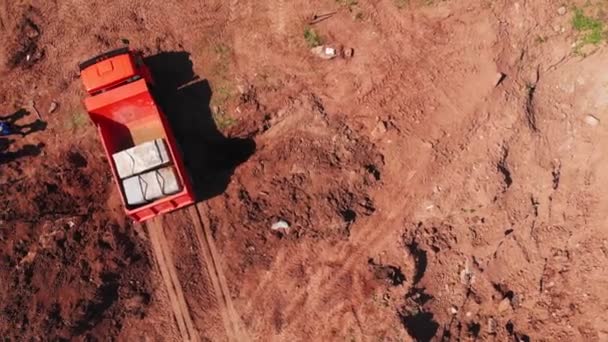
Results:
107 70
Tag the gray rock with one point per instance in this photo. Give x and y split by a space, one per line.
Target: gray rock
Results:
591 120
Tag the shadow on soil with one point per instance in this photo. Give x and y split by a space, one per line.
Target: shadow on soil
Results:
209 156
22 130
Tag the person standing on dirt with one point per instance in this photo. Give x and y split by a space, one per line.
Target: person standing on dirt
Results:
9 126
6 129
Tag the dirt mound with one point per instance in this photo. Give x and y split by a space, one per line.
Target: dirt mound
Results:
78 271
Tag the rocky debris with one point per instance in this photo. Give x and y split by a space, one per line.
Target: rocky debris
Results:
466 276
30 30
491 326
562 10
53 107
281 225
26 52
380 129
504 305
389 273
591 120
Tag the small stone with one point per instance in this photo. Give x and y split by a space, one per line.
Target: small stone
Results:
380 129
504 305
517 300
592 120
281 224
491 326
53 107
562 10
453 310
466 276
31 31
499 78
29 258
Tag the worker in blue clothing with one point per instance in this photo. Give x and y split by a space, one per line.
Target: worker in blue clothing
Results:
6 129
9 126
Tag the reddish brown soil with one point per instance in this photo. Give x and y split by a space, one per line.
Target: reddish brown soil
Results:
428 197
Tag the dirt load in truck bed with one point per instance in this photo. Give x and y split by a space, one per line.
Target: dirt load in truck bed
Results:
444 183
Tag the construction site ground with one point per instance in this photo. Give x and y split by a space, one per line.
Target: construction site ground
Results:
443 184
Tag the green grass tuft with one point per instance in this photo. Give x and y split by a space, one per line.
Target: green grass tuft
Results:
312 37
581 22
76 120
591 29
223 120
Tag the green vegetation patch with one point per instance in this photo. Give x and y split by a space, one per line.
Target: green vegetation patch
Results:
591 30
312 37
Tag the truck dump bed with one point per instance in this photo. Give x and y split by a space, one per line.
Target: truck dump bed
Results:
127 116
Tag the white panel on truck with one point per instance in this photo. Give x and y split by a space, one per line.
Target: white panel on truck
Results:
141 158
151 186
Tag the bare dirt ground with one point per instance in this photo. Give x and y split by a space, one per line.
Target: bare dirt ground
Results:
444 184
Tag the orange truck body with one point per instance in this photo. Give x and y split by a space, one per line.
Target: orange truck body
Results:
121 106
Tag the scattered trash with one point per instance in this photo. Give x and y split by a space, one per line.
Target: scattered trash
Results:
324 52
330 52
592 120
562 10
280 225
53 107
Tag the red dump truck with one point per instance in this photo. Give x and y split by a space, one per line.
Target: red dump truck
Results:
142 151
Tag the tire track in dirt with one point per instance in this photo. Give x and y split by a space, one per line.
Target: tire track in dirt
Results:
385 94
277 16
166 265
210 258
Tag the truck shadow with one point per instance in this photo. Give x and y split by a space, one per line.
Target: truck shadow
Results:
210 157
29 150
